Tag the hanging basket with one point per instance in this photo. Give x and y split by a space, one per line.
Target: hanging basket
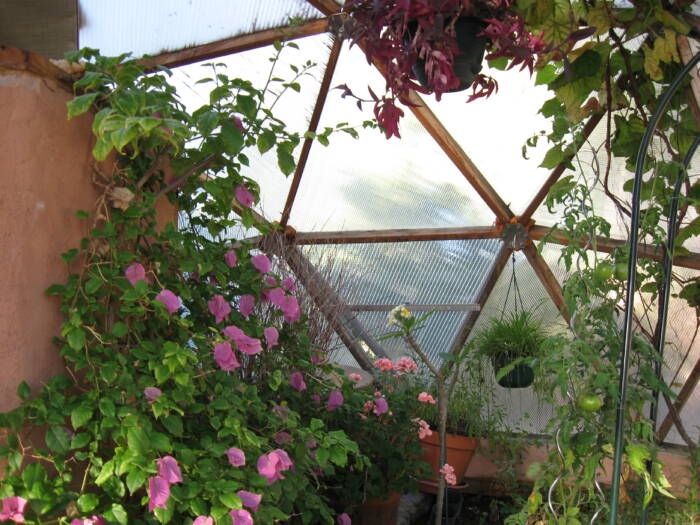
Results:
521 376
467 64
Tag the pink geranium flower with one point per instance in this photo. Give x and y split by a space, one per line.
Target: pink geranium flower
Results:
335 400
225 357
384 364
13 509
231 258
271 336
271 466
151 393
380 406
241 517
135 273
219 308
355 377
424 397
423 428
246 305
288 284
203 520
449 472
261 262
405 365
169 300
169 470
344 519
244 196
296 380
236 456
158 493
250 499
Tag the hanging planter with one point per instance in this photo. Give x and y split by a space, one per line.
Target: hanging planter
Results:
467 63
521 376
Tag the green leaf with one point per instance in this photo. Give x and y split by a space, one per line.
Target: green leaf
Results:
80 104
207 121
124 136
160 442
55 289
76 338
231 500
92 285
173 423
247 105
119 329
546 75
339 456
88 502
80 415
118 514
138 440
80 440
105 473
135 480
102 148
266 140
285 160
231 137
500 63
106 407
57 439
23 390
82 214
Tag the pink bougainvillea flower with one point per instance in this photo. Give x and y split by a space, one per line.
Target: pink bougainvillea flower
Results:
335 400
241 517
250 499
423 428
169 470
219 307
319 357
233 332
225 357
291 310
270 280
424 397
282 437
271 336
231 258
296 380
355 377
316 398
384 364
238 123
236 456
151 393
261 263
13 509
276 296
203 520
271 466
344 519
158 493
244 196
246 305
213 280
248 345
94 520
135 273
449 472
169 300
288 284
405 365
380 406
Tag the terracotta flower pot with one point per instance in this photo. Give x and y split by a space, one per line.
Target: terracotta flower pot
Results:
378 511
460 450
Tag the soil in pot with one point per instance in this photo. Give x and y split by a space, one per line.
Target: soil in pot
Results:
467 64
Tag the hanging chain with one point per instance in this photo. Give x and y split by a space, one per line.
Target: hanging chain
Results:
513 285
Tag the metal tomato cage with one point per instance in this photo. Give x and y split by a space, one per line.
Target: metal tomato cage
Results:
632 277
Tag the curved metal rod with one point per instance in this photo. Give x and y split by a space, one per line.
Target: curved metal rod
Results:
666 290
631 283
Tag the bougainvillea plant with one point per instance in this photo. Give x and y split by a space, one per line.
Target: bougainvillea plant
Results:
396 34
192 392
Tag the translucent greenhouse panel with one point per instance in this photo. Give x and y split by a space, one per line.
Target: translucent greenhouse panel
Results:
156 26
375 183
294 108
493 131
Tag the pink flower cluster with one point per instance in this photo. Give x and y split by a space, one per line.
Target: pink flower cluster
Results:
244 343
423 428
402 366
13 509
449 472
271 466
424 397
159 486
288 304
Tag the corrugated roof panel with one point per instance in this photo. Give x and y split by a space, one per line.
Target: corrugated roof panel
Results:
165 25
374 183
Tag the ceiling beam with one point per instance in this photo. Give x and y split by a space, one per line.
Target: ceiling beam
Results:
608 245
397 235
415 307
559 170
235 44
313 126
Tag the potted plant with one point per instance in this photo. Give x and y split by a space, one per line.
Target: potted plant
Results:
509 342
435 46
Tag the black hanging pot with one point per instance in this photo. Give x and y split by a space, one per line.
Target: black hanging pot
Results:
521 376
467 64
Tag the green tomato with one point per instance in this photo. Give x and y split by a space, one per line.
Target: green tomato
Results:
604 271
590 403
621 271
